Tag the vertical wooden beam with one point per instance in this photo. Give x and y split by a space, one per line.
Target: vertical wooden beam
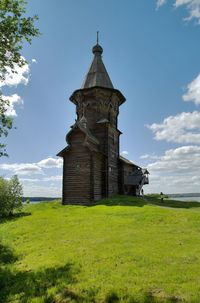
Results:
63 182
91 177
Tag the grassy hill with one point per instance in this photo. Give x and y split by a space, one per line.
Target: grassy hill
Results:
124 249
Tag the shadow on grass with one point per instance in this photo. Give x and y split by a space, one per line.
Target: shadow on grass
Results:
14 216
123 200
54 285
6 255
90 296
27 285
147 298
150 298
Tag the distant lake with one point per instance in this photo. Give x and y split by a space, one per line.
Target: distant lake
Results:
179 198
34 202
39 199
186 199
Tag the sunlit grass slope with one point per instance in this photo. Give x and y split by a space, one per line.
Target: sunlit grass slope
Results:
124 249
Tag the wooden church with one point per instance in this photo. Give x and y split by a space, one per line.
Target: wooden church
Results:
92 166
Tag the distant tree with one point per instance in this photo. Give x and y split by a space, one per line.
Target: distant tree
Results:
15 194
15 29
3 197
11 193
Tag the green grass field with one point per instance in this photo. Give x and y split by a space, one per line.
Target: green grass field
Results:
124 249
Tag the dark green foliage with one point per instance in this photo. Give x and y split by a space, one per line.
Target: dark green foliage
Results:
15 29
10 196
112 297
5 124
6 255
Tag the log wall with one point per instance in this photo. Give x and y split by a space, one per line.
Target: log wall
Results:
77 173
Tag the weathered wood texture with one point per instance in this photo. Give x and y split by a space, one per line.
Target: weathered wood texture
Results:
77 173
92 172
125 170
98 175
113 154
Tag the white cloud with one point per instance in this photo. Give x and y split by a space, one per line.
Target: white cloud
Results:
182 128
13 100
192 6
193 91
149 157
160 3
20 76
33 168
22 168
42 179
178 170
51 162
179 160
34 61
34 178
53 178
34 190
124 153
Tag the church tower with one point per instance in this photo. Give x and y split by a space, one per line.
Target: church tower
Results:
91 159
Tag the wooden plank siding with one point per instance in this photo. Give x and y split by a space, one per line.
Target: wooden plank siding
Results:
91 161
98 173
77 173
113 155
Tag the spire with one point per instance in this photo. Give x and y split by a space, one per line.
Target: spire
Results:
97 74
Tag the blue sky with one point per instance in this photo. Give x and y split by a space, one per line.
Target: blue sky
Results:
151 52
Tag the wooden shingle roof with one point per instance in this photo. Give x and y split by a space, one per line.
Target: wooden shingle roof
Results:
97 74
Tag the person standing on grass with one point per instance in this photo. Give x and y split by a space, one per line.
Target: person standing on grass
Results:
142 192
161 196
